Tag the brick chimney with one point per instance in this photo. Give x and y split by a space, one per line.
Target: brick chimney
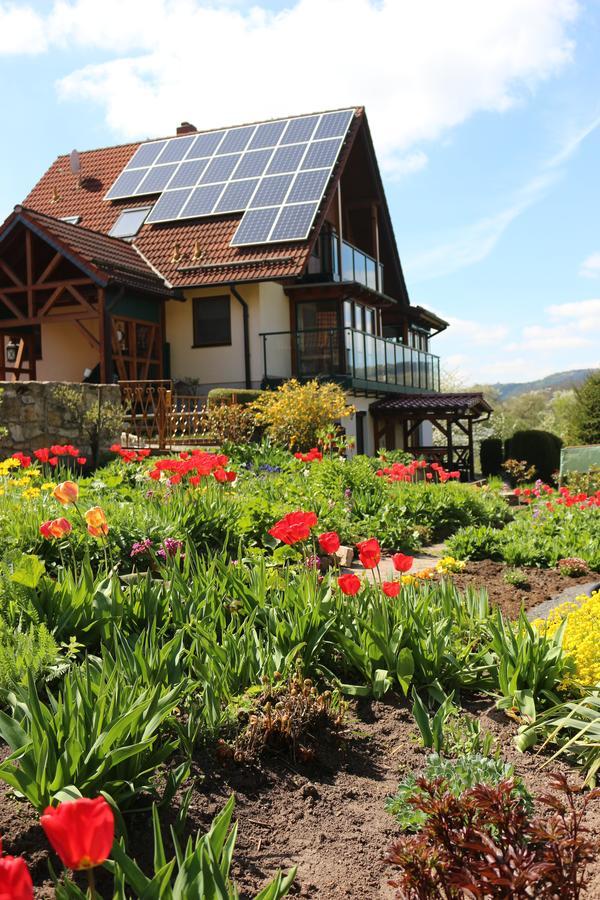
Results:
186 128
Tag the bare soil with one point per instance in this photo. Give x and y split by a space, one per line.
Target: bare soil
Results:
543 584
326 817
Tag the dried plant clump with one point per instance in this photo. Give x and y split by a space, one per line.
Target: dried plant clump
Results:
289 718
484 844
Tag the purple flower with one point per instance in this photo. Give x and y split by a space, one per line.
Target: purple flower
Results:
347 493
313 562
170 547
139 548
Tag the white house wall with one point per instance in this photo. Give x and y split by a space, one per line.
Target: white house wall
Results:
268 310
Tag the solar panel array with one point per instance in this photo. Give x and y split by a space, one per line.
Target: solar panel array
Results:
274 172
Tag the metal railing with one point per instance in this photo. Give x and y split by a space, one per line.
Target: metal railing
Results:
346 353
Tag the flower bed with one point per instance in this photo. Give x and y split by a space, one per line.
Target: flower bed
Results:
189 614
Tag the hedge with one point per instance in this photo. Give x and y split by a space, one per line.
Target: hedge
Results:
243 396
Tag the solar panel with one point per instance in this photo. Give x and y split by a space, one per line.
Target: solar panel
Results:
308 186
236 196
156 180
126 184
205 144
169 205
175 150
145 155
267 135
188 174
299 130
237 139
220 168
253 163
294 222
274 172
321 154
333 124
202 201
255 226
272 189
286 159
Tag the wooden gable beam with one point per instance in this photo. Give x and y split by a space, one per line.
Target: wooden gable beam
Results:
29 269
46 285
56 293
77 295
11 306
50 268
13 277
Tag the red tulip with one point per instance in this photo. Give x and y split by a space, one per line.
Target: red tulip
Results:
329 541
80 831
401 562
369 553
391 588
294 527
81 460
349 584
15 880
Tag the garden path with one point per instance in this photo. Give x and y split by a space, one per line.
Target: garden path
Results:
424 560
569 594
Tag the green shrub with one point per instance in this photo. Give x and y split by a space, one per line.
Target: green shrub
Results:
538 448
491 456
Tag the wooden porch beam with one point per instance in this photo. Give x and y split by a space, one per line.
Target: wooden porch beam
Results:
29 269
50 267
8 271
47 285
91 339
12 307
21 321
79 297
50 301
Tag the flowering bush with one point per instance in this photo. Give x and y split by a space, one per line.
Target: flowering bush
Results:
581 636
294 414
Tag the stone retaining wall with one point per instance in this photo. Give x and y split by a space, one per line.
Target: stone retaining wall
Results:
33 414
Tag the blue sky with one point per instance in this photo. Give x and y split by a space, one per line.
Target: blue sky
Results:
486 119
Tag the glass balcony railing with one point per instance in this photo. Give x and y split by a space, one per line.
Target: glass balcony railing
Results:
355 264
345 354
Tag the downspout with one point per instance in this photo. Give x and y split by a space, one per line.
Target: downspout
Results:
246 320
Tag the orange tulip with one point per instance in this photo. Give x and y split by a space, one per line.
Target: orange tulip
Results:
66 492
96 522
60 527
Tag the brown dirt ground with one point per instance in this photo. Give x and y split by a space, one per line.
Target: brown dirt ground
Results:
326 817
543 584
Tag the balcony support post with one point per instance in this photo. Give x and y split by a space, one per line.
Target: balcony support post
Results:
375 231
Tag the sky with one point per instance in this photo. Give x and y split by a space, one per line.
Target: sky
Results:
485 116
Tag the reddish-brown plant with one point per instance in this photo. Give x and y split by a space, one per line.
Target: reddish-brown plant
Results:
483 845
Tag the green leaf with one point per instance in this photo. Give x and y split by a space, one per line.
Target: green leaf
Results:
28 571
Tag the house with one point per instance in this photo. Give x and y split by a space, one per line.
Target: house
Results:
235 257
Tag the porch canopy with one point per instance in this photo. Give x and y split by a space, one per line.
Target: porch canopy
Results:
443 411
72 298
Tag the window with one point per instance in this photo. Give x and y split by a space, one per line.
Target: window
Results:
129 222
72 220
212 321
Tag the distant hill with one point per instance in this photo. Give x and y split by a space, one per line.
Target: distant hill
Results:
558 381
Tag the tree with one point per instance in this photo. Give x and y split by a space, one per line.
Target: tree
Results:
586 418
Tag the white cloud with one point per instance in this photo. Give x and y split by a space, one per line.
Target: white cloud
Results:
21 30
590 267
566 338
420 68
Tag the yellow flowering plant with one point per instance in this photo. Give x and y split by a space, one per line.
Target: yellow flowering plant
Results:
448 565
294 414
581 637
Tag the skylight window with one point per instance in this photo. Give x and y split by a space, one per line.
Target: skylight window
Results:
72 220
129 222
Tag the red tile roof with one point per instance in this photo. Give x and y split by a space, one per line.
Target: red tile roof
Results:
104 256
59 193
462 404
